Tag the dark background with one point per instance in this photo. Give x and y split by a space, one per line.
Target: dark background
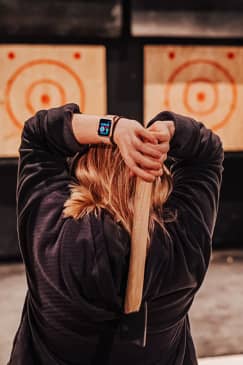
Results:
112 23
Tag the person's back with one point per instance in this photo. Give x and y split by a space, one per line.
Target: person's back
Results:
76 247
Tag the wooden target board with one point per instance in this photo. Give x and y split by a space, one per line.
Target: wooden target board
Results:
202 82
34 77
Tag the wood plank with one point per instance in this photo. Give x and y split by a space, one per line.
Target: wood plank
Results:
204 82
35 77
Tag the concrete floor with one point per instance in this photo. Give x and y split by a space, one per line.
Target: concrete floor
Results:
12 293
216 315
222 360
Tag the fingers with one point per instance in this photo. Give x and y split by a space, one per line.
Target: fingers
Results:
144 174
162 135
171 126
155 173
150 149
139 164
145 161
147 175
166 128
154 150
147 135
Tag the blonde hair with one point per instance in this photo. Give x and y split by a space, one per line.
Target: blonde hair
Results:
103 181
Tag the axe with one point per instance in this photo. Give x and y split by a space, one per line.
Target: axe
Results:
135 280
134 289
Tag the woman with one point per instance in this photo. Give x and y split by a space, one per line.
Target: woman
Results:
74 223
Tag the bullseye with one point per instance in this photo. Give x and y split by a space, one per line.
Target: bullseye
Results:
201 96
45 99
197 101
38 87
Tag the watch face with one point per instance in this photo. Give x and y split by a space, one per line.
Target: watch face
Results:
104 127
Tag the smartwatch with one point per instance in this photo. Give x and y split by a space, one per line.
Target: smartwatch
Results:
107 127
104 128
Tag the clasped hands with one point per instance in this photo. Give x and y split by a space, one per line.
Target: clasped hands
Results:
144 150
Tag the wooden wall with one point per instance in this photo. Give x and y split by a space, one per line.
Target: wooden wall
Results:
203 82
35 77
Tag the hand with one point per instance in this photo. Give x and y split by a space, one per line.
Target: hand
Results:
164 132
139 148
163 127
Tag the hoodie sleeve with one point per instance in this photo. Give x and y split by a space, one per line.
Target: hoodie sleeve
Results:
47 139
197 156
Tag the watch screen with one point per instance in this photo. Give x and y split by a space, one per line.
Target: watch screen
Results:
104 127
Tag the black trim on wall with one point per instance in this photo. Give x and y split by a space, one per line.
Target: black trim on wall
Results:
124 80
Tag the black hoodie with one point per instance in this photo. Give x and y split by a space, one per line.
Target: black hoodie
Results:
77 269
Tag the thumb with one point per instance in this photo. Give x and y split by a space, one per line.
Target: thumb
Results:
171 127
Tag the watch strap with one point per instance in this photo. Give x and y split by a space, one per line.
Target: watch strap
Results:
114 124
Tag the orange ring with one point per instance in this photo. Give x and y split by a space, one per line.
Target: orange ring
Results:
31 64
219 67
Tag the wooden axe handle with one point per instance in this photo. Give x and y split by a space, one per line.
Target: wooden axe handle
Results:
134 289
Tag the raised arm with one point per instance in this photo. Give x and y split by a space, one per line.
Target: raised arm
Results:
47 140
197 158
